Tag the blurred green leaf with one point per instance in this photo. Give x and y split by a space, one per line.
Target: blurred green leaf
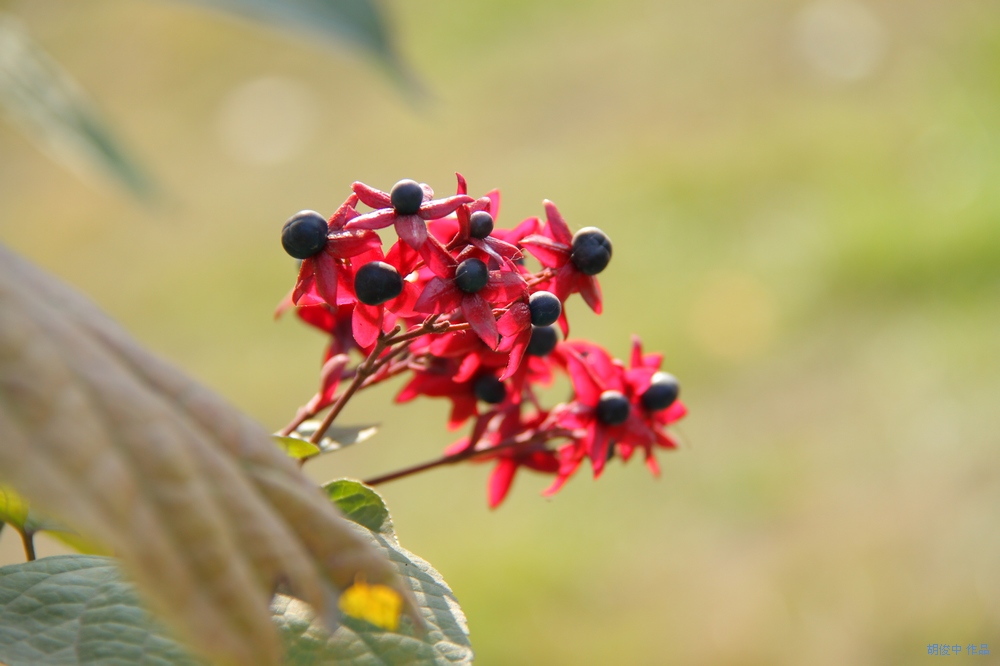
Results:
76 609
15 511
360 23
336 437
295 447
37 95
444 638
362 505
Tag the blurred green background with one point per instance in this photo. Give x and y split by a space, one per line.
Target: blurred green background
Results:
803 201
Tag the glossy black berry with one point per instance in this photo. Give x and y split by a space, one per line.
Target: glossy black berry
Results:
471 276
613 408
490 389
377 282
406 197
662 392
591 251
480 224
304 234
545 308
543 340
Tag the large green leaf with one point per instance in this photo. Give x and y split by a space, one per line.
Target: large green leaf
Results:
443 641
358 22
77 609
50 108
207 514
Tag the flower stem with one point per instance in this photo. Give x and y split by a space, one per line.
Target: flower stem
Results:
526 440
28 540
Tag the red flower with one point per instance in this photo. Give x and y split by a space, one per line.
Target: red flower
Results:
501 426
411 228
439 381
370 320
320 274
604 408
552 247
443 295
495 248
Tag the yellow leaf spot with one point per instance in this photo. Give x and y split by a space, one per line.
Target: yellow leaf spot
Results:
378 604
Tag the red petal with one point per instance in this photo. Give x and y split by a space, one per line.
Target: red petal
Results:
504 287
588 390
516 320
345 213
636 360
549 252
462 407
378 219
371 197
367 323
651 463
567 467
479 314
597 450
326 278
441 207
500 480
591 292
463 187
470 364
440 296
412 230
494 209
516 355
352 242
306 280
438 259
403 257
557 225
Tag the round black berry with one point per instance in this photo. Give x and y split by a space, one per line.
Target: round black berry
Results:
480 224
490 389
543 340
591 251
406 197
662 392
613 408
377 282
304 234
471 276
545 308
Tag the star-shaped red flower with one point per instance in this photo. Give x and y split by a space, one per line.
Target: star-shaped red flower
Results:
411 228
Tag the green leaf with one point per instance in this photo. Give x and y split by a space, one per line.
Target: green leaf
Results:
52 110
76 609
362 505
360 23
295 447
444 639
336 437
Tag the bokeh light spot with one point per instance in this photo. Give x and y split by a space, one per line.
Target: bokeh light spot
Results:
840 39
267 121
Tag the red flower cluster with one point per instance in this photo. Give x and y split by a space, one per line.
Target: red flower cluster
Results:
452 304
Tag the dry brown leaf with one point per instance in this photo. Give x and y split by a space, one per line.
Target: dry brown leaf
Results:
207 514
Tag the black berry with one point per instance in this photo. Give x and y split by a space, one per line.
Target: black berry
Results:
480 224
613 408
591 250
543 340
490 389
377 282
304 234
406 197
471 276
545 308
662 392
